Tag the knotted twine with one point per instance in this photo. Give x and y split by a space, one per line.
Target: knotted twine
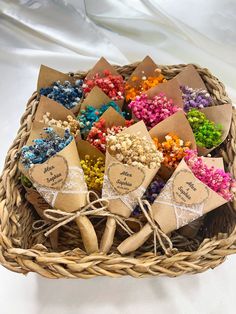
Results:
158 234
58 218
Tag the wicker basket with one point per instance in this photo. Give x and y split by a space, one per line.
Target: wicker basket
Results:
21 252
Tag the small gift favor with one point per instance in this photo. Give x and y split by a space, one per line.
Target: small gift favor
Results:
210 126
108 79
145 76
189 77
52 164
60 87
173 137
93 164
132 161
157 104
195 188
93 107
110 123
51 113
194 90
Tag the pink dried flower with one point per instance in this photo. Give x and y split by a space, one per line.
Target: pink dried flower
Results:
154 110
216 179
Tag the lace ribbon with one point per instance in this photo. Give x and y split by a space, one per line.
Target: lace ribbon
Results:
184 214
130 199
59 218
158 234
71 186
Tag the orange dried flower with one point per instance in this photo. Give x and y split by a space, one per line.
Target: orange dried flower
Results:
173 149
146 83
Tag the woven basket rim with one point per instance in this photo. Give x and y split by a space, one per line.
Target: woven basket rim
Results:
74 264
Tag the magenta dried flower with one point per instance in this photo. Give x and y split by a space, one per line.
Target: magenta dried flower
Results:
216 179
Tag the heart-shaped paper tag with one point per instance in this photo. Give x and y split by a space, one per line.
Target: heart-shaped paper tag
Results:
51 174
187 189
125 179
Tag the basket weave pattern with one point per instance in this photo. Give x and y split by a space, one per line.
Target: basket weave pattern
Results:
20 252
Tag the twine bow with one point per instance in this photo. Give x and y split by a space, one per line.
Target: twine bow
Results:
158 234
41 226
58 218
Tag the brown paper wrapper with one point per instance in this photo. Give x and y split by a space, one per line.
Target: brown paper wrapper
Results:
57 111
112 118
193 227
190 77
96 98
135 177
179 125
123 184
183 199
145 68
171 89
99 68
221 114
60 179
86 227
47 76
197 199
85 148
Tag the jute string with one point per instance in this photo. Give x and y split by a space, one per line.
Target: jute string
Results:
58 218
158 234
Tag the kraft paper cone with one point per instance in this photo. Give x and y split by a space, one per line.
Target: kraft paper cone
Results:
99 68
47 76
221 114
179 125
86 227
147 68
57 111
171 89
123 184
183 199
112 118
199 198
96 98
140 178
190 77
193 227
39 204
60 179
85 148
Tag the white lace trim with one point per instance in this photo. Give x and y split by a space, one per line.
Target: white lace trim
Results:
130 199
71 186
184 214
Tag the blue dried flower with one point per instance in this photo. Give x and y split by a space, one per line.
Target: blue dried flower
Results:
90 115
44 148
66 94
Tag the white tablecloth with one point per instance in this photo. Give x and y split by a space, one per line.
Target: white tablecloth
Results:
72 35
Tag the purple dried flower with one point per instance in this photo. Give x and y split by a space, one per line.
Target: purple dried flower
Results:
195 98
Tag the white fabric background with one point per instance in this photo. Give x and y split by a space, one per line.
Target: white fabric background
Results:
71 35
